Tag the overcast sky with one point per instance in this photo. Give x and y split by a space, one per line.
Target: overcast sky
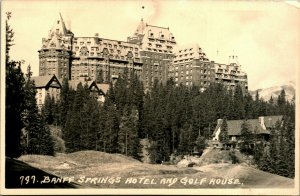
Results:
265 35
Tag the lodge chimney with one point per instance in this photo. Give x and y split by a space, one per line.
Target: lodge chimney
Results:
220 121
261 121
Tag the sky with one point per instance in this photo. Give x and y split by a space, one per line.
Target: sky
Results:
265 35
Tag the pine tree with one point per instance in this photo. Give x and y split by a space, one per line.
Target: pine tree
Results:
238 103
89 124
224 138
281 102
247 138
185 144
128 140
111 130
47 110
15 97
64 102
39 139
72 130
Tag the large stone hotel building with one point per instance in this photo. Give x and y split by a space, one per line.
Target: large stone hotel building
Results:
151 52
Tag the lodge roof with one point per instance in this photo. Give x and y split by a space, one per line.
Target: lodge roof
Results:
234 127
270 121
104 87
44 81
74 83
255 125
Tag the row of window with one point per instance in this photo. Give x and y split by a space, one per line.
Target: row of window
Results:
110 46
160 35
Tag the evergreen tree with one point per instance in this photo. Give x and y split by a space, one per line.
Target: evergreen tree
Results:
238 103
185 144
47 110
281 102
72 130
247 138
224 138
64 102
111 129
89 124
39 136
128 140
15 97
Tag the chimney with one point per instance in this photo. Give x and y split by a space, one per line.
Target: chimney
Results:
220 121
261 122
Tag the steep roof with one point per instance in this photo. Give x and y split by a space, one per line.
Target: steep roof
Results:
255 126
74 83
234 127
59 27
189 51
103 87
44 81
140 29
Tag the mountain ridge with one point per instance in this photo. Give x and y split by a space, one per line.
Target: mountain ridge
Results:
274 91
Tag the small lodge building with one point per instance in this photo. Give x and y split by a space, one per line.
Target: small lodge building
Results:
51 85
260 127
98 90
46 85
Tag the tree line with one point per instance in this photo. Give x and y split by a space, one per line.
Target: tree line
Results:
26 131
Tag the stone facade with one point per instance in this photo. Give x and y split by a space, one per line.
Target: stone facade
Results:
151 53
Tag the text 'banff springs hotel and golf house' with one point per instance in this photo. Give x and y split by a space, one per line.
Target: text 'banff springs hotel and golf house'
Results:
151 52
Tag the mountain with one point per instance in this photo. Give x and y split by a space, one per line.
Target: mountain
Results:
274 91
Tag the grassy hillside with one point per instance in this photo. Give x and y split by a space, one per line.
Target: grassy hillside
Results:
102 170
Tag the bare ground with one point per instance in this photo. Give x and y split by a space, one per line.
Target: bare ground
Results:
91 169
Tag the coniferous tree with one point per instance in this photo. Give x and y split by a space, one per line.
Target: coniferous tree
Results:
89 124
47 110
111 130
185 144
39 139
247 138
281 102
64 101
238 103
15 97
224 138
72 130
128 140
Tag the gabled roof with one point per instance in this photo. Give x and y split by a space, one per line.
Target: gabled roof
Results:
234 127
92 85
45 81
74 83
104 87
